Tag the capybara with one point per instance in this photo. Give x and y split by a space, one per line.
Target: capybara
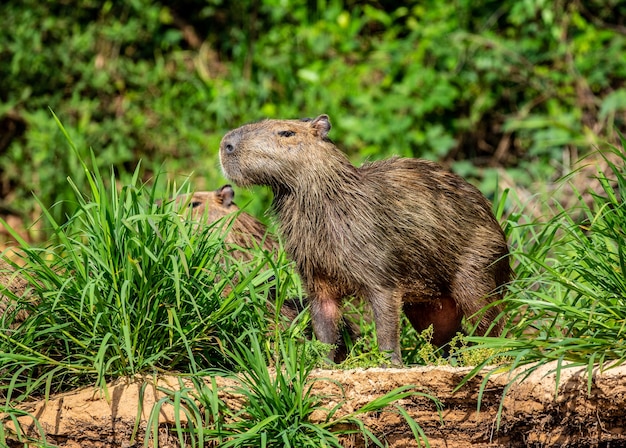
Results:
245 231
398 233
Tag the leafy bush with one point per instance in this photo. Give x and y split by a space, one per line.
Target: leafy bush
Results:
161 82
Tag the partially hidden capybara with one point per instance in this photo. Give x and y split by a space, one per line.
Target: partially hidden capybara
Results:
399 233
244 231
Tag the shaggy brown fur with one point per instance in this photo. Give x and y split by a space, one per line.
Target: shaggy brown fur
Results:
399 233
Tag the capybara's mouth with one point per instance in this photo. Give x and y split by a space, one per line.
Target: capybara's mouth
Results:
232 172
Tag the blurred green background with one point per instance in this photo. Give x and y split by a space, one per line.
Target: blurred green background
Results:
522 87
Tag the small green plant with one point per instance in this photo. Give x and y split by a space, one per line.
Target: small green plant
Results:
419 349
455 353
365 354
278 402
462 356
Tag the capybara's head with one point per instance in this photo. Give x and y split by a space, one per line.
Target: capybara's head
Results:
210 204
275 152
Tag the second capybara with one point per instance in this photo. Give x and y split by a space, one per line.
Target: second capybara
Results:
399 233
244 231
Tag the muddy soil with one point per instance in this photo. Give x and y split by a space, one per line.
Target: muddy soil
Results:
532 414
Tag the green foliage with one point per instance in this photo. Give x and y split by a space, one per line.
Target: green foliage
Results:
573 275
277 406
567 302
416 347
364 354
162 82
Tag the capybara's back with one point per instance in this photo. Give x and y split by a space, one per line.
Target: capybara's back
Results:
399 233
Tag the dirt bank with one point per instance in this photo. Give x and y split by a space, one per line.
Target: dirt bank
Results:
532 414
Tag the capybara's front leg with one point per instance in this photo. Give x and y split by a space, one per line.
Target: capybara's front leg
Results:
325 305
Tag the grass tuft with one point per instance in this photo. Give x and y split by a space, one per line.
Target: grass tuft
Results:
126 287
567 303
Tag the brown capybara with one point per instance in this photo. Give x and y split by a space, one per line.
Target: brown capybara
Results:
398 233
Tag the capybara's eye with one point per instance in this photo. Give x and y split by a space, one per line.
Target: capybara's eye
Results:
286 133
195 204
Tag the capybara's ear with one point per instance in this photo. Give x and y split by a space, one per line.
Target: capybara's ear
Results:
225 195
321 126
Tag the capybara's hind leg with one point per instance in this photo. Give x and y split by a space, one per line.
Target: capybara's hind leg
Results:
474 287
442 313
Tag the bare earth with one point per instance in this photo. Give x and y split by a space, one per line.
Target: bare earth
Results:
532 414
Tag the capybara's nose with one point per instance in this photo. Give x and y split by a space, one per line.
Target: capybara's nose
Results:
230 142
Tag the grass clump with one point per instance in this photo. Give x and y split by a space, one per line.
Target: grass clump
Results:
567 303
128 287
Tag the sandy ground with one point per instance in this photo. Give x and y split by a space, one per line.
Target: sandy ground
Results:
532 414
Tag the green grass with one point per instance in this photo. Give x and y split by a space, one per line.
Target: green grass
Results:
278 403
567 303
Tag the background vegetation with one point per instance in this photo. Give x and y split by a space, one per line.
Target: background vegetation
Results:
511 92
523 85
